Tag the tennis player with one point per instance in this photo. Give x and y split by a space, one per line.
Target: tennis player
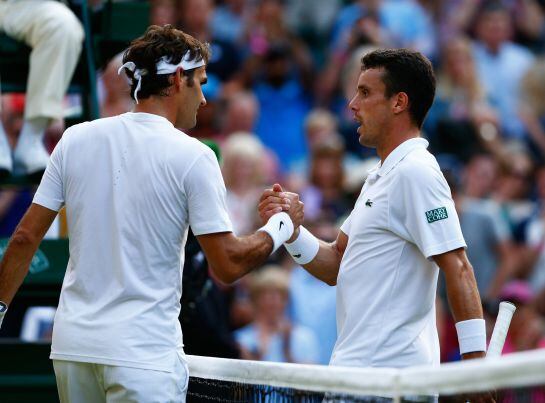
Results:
386 258
132 185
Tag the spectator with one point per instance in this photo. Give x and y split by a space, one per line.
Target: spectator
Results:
283 103
55 36
229 19
534 252
320 315
115 97
501 64
324 196
271 336
393 16
532 110
240 113
460 108
195 17
243 173
488 241
527 330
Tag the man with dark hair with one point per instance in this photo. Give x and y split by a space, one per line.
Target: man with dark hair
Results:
386 258
132 185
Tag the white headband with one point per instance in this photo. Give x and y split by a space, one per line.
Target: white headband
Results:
163 67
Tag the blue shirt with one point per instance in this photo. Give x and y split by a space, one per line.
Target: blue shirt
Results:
303 344
281 118
312 304
501 74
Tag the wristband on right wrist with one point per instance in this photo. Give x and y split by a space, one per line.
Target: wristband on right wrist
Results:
280 229
305 248
471 335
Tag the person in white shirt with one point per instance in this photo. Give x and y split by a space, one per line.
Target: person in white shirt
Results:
403 228
132 185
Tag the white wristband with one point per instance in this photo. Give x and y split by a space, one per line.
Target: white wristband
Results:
471 335
280 229
304 248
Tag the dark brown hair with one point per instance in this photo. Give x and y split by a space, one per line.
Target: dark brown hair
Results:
405 71
148 49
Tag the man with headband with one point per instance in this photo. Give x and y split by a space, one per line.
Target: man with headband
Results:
132 185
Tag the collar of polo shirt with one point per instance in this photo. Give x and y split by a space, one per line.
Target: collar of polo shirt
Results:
400 152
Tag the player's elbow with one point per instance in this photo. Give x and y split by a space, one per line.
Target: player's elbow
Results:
23 238
332 281
227 273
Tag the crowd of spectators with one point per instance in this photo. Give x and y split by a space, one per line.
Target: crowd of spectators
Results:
281 75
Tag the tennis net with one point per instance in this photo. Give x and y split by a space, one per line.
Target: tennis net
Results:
517 377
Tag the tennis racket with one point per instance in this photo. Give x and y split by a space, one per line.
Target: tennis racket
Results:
501 327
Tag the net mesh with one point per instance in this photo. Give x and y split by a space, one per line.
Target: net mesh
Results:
515 378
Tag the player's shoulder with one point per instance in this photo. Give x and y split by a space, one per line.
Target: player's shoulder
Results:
419 167
192 146
89 127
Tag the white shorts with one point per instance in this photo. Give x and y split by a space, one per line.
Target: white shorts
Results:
80 382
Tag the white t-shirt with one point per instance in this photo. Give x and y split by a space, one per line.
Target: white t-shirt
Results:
132 185
387 282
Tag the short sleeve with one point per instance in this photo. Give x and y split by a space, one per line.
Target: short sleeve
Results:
345 227
50 193
205 192
422 211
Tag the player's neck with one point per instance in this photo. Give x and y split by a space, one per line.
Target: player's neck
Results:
394 138
157 106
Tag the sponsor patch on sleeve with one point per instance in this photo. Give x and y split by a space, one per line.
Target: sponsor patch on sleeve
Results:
436 214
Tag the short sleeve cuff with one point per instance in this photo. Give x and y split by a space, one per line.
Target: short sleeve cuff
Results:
47 202
211 227
444 247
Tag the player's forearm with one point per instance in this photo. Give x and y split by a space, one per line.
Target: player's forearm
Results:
246 254
462 292
15 264
325 266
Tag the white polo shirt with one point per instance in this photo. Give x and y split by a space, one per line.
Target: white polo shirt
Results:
387 280
132 185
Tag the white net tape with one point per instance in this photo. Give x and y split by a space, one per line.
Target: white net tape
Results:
515 370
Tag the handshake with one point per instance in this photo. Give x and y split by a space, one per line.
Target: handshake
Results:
275 200
276 208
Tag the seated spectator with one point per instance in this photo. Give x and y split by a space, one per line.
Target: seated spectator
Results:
460 108
283 104
532 109
243 172
489 245
501 64
239 114
393 16
320 315
324 195
114 94
271 336
55 36
527 330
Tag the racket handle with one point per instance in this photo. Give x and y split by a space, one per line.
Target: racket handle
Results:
500 329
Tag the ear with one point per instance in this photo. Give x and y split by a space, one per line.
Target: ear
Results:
179 78
401 102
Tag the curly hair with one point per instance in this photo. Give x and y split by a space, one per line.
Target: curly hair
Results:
148 49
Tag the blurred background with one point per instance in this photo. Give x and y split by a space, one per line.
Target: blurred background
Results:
281 75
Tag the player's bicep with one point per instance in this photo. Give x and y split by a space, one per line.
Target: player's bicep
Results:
340 243
206 197
36 222
215 247
50 192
